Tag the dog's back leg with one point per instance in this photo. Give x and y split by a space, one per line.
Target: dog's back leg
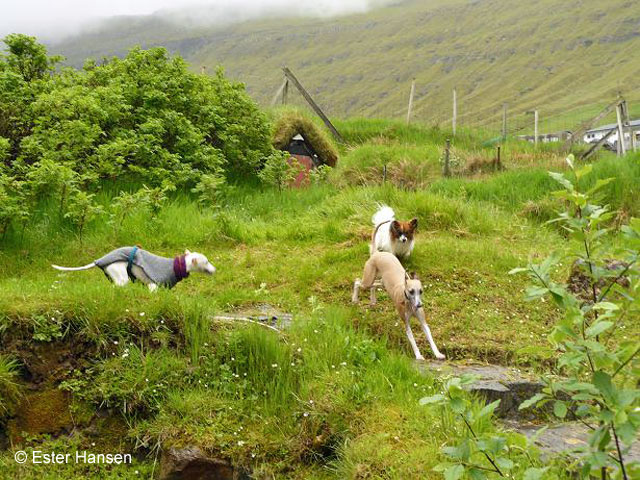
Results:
356 291
427 332
412 340
369 278
117 272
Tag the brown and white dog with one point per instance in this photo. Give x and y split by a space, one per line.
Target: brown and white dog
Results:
404 291
390 235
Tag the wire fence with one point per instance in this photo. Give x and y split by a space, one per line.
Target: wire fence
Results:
433 105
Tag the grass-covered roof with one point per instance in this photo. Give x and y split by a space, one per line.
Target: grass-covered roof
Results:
290 124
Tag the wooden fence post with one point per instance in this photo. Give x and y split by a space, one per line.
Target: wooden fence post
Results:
281 91
504 121
446 171
498 163
413 89
285 91
454 120
535 127
296 83
632 137
621 148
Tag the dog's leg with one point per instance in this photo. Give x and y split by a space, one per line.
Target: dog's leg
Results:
369 279
117 272
411 338
356 291
152 287
427 332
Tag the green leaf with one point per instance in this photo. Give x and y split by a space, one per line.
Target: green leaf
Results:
581 172
559 409
533 473
560 178
476 474
488 410
597 328
513 271
570 159
433 399
454 472
532 401
504 463
457 405
602 381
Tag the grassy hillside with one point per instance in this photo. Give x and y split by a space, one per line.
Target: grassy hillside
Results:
335 395
564 58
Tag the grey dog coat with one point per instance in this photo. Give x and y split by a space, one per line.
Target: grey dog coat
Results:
161 270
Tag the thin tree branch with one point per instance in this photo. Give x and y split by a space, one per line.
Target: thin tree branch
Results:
483 452
615 436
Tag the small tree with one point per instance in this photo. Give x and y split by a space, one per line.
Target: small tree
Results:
209 189
280 170
599 365
82 209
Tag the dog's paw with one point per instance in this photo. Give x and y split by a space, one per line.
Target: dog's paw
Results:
420 358
440 356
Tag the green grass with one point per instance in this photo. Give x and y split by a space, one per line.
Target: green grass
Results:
335 395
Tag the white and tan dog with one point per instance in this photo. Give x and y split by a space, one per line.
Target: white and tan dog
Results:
390 235
132 263
404 291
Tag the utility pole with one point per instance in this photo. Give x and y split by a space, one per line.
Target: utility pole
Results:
410 108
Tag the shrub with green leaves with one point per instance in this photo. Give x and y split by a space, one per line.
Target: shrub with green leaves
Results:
482 451
143 118
599 366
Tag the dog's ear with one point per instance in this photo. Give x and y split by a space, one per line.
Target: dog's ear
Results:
413 224
414 276
187 252
194 261
395 226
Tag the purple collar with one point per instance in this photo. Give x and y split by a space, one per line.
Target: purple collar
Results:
180 267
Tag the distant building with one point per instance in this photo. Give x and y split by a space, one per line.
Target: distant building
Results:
595 135
547 137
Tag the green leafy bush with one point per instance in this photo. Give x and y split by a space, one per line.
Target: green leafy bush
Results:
143 118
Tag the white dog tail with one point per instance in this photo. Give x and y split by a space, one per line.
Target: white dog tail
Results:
74 269
384 214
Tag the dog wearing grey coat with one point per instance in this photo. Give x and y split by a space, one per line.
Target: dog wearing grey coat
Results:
132 263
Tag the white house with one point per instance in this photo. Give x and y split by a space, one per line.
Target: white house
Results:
595 134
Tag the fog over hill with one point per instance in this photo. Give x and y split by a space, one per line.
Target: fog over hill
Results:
562 57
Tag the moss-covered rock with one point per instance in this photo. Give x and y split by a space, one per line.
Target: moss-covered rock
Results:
39 413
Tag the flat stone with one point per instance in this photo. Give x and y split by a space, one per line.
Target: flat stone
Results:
262 313
564 437
495 382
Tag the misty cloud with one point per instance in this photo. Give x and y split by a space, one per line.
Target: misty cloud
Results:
62 18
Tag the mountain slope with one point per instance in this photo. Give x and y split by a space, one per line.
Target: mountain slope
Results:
564 58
